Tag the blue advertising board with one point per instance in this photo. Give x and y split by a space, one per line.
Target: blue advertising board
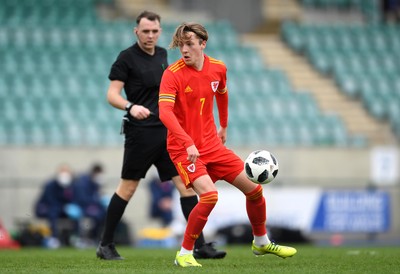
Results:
353 211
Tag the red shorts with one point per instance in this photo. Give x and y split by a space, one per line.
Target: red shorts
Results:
220 164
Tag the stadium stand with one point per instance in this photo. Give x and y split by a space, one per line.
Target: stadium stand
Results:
53 108
362 58
369 8
56 59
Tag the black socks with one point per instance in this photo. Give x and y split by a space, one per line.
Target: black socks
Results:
115 211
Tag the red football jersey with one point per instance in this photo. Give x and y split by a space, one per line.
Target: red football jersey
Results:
186 103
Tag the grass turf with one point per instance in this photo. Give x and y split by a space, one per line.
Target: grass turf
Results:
309 259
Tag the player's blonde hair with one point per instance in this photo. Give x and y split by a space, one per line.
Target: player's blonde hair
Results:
181 34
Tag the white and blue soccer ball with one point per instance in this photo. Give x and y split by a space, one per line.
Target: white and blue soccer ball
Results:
261 167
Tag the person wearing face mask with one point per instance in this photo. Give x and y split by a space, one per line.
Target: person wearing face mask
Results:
87 195
53 202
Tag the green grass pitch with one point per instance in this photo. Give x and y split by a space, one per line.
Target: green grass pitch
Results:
309 259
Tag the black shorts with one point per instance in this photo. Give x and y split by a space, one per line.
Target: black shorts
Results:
144 147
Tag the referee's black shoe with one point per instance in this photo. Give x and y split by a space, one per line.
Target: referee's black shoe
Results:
108 252
207 251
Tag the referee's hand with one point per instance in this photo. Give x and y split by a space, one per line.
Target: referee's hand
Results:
140 112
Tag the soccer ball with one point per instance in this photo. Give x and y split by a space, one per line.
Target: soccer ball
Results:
261 167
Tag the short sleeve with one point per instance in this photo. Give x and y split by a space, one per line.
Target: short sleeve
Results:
119 70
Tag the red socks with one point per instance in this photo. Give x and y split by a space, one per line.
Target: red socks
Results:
256 210
198 218
255 206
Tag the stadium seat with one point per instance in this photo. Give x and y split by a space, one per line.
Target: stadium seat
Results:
348 82
305 136
50 45
362 59
321 60
294 35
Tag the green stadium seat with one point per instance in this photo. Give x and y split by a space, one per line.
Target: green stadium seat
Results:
3 135
294 35
389 65
305 135
348 82
357 141
375 106
9 63
338 129
55 135
308 104
3 88
321 132
36 134
57 39
48 112
321 60
18 134
236 135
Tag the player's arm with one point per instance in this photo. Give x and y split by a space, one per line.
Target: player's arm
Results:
170 121
115 98
166 104
222 104
167 116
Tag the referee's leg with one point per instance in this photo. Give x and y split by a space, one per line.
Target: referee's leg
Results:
125 190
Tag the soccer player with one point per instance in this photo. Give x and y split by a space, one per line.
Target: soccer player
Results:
138 71
186 100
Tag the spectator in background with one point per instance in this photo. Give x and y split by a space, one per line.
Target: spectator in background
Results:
55 201
391 10
161 200
87 195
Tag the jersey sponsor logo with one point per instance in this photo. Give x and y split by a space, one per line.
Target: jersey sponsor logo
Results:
214 85
191 168
188 89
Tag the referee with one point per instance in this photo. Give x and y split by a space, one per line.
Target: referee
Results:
138 71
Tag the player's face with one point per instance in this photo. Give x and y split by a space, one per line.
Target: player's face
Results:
192 51
147 33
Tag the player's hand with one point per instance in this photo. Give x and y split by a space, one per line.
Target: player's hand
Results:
140 112
193 153
222 133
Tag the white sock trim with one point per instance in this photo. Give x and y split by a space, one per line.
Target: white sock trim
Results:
185 251
261 240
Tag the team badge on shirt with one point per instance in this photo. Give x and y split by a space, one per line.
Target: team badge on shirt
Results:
191 168
214 85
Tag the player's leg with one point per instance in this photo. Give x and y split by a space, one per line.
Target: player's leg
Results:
188 200
256 211
167 171
208 194
228 166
